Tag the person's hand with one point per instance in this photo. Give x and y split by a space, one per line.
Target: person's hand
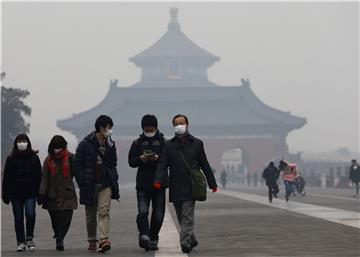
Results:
154 157
143 158
41 199
214 189
157 185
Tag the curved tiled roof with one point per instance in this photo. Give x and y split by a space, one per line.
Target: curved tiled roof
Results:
213 106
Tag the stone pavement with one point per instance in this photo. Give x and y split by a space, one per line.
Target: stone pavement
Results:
340 198
225 226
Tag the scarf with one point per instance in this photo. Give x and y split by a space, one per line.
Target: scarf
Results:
64 157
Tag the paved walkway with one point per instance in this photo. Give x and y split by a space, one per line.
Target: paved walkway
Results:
225 226
338 198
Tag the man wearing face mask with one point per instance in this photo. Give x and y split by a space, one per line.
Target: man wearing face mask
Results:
97 160
144 154
183 147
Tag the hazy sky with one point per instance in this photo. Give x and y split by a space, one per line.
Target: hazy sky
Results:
300 57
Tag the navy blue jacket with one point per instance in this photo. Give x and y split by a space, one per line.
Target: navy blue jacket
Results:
86 156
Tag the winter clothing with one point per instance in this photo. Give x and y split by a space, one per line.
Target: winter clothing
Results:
146 194
64 157
271 175
22 175
180 183
57 190
87 155
180 178
288 176
20 185
146 170
355 173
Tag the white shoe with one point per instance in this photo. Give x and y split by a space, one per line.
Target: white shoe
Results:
21 247
30 245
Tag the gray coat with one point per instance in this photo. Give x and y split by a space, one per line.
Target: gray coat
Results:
59 190
179 176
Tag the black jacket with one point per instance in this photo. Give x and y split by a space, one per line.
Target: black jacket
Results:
146 170
22 176
86 156
271 174
355 174
180 179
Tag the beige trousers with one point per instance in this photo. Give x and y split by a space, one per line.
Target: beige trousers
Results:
98 215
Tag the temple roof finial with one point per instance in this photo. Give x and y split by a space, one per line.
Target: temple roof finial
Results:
174 12
174 22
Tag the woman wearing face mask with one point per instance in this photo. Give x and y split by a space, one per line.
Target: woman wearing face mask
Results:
57 192
20 186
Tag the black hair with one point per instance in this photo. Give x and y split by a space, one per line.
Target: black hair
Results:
22 137
103 121
180 115
56 142
353 161
271 164
149 120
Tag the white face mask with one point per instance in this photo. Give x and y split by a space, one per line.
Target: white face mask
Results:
57 150
108 133
180 129
22 146
149 134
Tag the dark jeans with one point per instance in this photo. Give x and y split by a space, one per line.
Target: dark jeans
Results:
289 188
60 221
273 189
18 207
157 198
185 215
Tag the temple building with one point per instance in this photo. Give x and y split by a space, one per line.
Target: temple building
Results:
174 80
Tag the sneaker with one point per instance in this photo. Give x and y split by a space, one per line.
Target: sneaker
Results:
92 245
59 245
186 249
30 245
21 247
194 244
144 241
153 246
104 246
